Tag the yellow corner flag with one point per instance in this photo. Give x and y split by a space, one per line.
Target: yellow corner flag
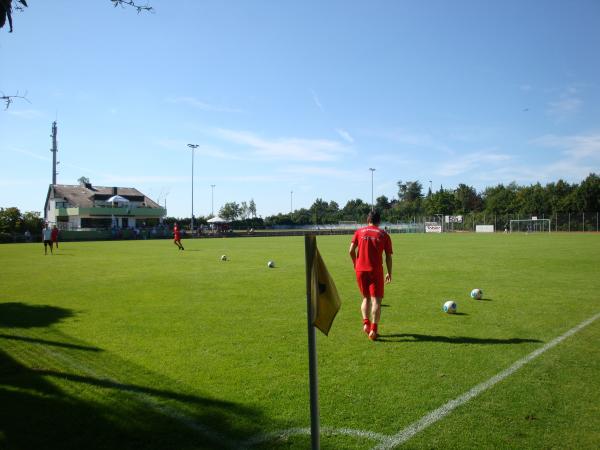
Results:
324 296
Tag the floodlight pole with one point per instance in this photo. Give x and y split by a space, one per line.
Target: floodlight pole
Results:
212 199
291 201
372 204
193 147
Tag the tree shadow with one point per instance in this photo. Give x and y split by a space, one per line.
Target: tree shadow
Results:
51 343
412 337
83 407
21 315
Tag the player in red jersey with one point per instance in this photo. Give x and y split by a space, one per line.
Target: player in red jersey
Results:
371 242
54 236
177 237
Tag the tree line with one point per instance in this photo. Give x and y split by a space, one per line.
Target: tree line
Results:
535 200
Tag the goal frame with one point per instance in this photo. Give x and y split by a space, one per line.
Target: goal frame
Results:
537 225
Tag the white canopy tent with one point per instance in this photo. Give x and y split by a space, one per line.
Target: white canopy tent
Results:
217 219
117 199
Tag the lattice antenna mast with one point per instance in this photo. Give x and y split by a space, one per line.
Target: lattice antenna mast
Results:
54 151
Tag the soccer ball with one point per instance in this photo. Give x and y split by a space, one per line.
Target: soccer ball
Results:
477 294
223 257
271 264
449 307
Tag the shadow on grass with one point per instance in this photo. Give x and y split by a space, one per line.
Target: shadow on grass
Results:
84 407
412 337
21 315
51 343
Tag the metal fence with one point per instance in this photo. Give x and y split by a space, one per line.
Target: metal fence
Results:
586 222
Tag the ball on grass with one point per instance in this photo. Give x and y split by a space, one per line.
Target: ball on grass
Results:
223 257
477 294
271 264
449 307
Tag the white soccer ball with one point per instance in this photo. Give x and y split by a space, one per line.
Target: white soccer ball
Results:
449 307
271 264
477 294
223 257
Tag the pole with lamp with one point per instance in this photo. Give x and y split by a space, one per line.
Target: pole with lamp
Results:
372 204
212 199
193 147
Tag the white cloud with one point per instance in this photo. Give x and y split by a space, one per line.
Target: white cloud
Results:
26 113
315 98
192 101
576 146
579 155
470 162
319 171
298 149
345 135
31 154
568 104
203 150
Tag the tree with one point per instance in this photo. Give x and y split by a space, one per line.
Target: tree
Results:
382 203
230 211
244 211
252 208
32 221
355 210
588 194
467 199
83 180
410 191
10 220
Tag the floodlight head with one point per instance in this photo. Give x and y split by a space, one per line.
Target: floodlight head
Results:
193 145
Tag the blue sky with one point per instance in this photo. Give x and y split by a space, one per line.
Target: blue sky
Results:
300 96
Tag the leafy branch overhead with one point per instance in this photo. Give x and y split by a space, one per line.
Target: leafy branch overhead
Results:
6 12
8 99
6 9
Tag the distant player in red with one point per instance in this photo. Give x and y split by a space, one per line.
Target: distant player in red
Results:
177 237
54 236
366 250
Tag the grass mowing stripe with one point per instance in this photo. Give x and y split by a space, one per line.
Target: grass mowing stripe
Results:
446 409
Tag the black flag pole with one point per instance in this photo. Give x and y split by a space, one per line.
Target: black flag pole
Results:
310 248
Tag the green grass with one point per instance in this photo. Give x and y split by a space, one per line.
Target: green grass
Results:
138 345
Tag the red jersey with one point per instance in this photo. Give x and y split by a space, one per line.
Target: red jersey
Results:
176 233
54 235
371 242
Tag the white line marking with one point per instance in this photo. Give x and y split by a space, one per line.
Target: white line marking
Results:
285 434
446 409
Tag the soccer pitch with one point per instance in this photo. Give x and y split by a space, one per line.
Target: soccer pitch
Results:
134 344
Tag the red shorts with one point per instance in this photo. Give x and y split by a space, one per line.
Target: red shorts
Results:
177 238
370 284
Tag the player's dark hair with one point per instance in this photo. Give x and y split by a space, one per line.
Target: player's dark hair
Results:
374 217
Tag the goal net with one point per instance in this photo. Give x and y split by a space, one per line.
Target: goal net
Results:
530 226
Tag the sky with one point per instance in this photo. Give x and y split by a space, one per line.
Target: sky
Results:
290 101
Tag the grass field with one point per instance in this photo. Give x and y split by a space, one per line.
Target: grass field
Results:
123 345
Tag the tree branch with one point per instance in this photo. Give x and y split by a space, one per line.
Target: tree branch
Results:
131 3
8 99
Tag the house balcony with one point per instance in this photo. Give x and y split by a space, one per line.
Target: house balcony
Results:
141 212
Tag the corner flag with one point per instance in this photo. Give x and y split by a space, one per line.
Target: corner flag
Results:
322 304
324 296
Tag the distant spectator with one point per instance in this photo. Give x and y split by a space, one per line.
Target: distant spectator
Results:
27 236
47 239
